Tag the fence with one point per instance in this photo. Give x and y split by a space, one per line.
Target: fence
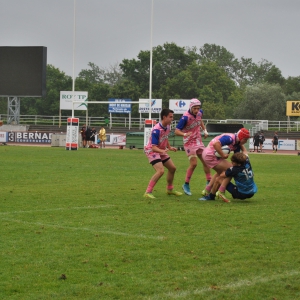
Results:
253 125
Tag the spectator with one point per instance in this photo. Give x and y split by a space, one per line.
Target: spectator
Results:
275 141
256 141
93 136
83 135
102 137
261 139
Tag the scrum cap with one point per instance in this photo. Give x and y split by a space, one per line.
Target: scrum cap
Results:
195 102
243 133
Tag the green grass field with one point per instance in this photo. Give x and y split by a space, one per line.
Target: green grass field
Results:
74 225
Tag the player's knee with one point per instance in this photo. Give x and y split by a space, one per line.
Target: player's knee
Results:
160 172
172 169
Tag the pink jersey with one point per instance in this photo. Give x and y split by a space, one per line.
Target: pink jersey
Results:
208 155
158 137
228 139
191 123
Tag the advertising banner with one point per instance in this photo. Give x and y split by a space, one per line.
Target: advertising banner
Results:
66 98
119 106
179 106
3 137
29 137
293 108
156 106
282 144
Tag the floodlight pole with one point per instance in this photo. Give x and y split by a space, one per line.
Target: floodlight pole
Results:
150 79
74 44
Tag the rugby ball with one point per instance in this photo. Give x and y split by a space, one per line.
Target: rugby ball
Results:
225 149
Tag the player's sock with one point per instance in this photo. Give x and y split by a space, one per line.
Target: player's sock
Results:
222 189
150 186
208 178
188 175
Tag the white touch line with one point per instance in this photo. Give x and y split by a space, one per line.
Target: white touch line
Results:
87 229
237 284
54 209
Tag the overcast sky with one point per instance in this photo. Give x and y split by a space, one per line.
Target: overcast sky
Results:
107 31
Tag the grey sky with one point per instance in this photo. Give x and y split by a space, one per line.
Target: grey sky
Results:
107 31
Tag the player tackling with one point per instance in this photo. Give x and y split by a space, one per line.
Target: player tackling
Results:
235 141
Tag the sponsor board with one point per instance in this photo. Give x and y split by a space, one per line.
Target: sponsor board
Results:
30 137
293 108
156 106
179 106
282 144
116 139
66 98
119 106
3 136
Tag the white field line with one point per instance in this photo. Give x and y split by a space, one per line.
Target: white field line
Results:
54 209
233 285
98 231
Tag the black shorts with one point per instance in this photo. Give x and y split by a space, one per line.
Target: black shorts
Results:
153 162
275 142
256 144
233 190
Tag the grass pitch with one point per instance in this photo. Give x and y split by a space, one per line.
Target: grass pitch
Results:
74 225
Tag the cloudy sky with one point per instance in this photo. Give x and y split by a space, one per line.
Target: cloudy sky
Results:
107 31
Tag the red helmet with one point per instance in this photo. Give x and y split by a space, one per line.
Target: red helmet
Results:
243 133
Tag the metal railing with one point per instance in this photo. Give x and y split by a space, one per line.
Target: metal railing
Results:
127 122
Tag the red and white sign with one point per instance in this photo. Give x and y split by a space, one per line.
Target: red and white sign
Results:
147 131
72 134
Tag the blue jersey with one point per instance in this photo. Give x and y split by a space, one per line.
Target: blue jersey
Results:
243 177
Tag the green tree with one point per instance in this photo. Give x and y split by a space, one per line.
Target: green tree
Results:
3 105
218 54
167 61
292 85
274 76
111 75
262 102
213 111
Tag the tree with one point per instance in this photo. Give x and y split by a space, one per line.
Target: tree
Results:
274 76
214 84
3 105
95 74
292 85
168 61
262 102
213 111
218 54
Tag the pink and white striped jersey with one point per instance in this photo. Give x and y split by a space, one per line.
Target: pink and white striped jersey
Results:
228 139
158 137
191 123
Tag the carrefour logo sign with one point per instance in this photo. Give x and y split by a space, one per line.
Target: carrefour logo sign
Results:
179 106
293 108
180 103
